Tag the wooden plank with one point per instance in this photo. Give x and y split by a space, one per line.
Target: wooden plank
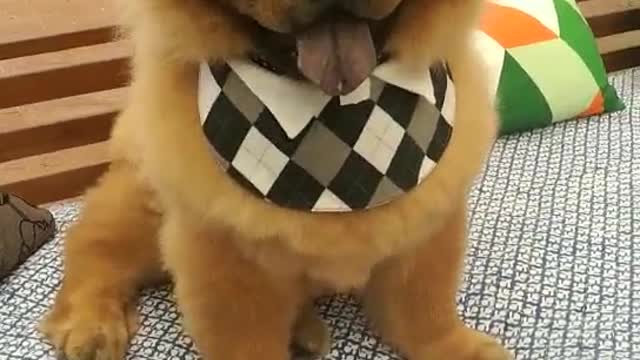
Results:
592 8
55 176
63 73
608 17
619 42
58 124
614 23
623 59
68 23
56 42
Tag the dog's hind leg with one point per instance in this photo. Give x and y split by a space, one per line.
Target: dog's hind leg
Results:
108 255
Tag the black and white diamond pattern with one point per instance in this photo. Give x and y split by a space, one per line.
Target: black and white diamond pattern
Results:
349 157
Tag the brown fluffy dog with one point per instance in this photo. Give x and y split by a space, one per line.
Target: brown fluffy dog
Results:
246 271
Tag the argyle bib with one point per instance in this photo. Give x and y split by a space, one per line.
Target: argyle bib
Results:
290 144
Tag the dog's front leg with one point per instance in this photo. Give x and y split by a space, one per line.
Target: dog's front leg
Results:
412 297
109 253
233 309
412 300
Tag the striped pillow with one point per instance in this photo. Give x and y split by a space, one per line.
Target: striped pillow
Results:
544 63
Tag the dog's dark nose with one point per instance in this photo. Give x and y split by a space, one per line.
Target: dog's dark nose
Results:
370 9
305 12
308 11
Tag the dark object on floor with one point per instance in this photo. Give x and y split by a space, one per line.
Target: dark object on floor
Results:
23 229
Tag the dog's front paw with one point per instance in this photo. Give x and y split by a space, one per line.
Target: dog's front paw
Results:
464 344
97 329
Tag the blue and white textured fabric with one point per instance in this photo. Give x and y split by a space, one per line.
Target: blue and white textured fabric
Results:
553 266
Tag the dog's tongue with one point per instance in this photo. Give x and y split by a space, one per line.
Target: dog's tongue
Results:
337 55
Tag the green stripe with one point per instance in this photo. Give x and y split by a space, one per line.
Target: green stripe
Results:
520 103
577 33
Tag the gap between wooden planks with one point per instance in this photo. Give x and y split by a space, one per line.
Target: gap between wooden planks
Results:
63 73
54 176
29 27
62 76
616 25
58 124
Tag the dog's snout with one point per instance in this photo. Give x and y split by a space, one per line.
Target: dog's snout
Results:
308 11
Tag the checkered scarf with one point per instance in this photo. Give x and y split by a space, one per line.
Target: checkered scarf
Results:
290 144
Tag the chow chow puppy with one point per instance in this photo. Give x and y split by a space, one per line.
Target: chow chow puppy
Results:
246 271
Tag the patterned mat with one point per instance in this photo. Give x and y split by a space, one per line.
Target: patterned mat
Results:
553 268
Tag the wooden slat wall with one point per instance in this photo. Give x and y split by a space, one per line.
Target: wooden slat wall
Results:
63 79
616 24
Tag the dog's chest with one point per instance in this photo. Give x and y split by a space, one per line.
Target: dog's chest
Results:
330 274
298 149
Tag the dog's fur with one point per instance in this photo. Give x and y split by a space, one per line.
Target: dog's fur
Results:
246 271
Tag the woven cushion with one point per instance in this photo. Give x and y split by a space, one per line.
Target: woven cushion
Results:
544 63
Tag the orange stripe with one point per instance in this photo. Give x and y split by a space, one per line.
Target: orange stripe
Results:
596 106
511 27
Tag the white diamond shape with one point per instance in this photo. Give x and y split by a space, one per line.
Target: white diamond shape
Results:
380 139
427 166
208 91
259 161
256 143
328 201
